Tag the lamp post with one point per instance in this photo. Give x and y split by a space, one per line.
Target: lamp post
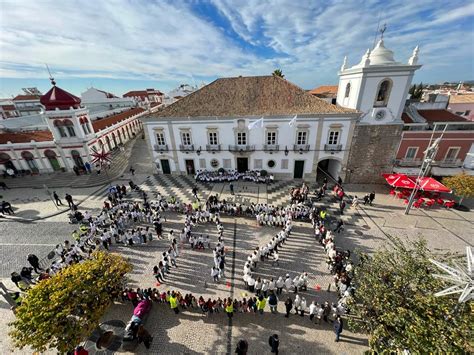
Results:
430 154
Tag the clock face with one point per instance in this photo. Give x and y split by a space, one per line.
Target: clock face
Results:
380 115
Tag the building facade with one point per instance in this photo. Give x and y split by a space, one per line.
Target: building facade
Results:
69 138
244 124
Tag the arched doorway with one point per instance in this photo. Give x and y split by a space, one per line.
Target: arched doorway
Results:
114 139
76 157
129 133
30 161
53 160
7 163
107 140
330 168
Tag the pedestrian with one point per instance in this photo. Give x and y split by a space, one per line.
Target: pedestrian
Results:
276 257
57 200
313 309
132 170
355 202
144 336
371 197
69 201
34 262
274 343
195 191
76 170
288 306
88 167
339 226
338 326
279 285
231 186
342 205
326 311
215 274
273 302
229 308
366 199
3 185
242 347
174 302
261 303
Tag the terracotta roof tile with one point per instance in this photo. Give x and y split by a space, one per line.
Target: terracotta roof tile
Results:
462 99
325 90
249 96
441 116
26 97
406 118
26 137
109 121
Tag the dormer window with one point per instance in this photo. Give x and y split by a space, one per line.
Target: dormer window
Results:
383 93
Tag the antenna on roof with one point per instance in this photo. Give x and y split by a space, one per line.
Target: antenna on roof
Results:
382 30
377 30
50 76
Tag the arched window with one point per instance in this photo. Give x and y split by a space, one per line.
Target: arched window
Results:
348 90
383 93
60 127
30 160
70 128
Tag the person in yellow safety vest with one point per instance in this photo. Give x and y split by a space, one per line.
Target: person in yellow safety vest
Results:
229 308
261 303
83 228
195 205
76 236
323 214
174 303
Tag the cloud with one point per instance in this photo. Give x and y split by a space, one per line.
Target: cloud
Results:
172 41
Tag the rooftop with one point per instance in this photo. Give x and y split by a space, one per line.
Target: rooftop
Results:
26 97
441 116
249 96
59 98
325 90
26 137
462 99
109 121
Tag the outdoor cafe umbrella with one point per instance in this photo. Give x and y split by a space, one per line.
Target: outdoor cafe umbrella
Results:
430 184
399 180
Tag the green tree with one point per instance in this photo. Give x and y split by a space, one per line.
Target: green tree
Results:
462 184
62 311
278 72
395 304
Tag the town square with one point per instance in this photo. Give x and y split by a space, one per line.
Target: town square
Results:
245 214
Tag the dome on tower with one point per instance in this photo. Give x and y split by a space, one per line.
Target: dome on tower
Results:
381 55
59 98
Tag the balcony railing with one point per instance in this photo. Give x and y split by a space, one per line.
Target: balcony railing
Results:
244 148
160 147
186 147
301 147
271 147
333 147
213 147
450 163
408 162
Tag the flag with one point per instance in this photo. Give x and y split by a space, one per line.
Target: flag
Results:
292 122
256 124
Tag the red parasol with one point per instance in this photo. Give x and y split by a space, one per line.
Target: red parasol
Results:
430 184
399 180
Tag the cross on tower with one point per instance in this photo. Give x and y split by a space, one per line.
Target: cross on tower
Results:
382 30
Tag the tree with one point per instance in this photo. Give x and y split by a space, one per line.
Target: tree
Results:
394 302
462 184
278 72
58 313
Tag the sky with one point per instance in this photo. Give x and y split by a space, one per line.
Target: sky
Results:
122 45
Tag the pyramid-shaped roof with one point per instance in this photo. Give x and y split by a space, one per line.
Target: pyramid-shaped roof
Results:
59 98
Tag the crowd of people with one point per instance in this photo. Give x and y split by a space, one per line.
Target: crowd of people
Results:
232 175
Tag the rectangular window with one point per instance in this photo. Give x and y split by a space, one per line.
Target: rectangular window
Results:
257 163
271 138
213 138
411 153
202 163
70 131
301 137
227 164
333 138
160 138
284 163
186 138
241 138
452 154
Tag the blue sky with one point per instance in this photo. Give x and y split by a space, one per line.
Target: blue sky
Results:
136 44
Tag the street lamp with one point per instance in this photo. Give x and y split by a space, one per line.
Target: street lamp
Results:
286 151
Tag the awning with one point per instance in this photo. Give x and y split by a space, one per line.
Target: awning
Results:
406 171
430 184
435 170
399 180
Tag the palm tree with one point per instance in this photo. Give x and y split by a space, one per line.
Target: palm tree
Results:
278 72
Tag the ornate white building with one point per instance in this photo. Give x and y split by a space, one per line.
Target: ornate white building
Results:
209 129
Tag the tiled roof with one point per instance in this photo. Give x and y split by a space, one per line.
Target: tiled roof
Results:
441 116
462 99
249 96
142 93
26 97
25 137
59 98
109 121
406 118
8 107
325 90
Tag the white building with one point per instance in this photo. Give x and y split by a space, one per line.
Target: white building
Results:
93 97
210 130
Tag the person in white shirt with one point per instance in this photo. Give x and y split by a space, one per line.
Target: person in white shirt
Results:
297 303
312 310
288 283
303 307
279 285
251 283
265 288
276 257
215 274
